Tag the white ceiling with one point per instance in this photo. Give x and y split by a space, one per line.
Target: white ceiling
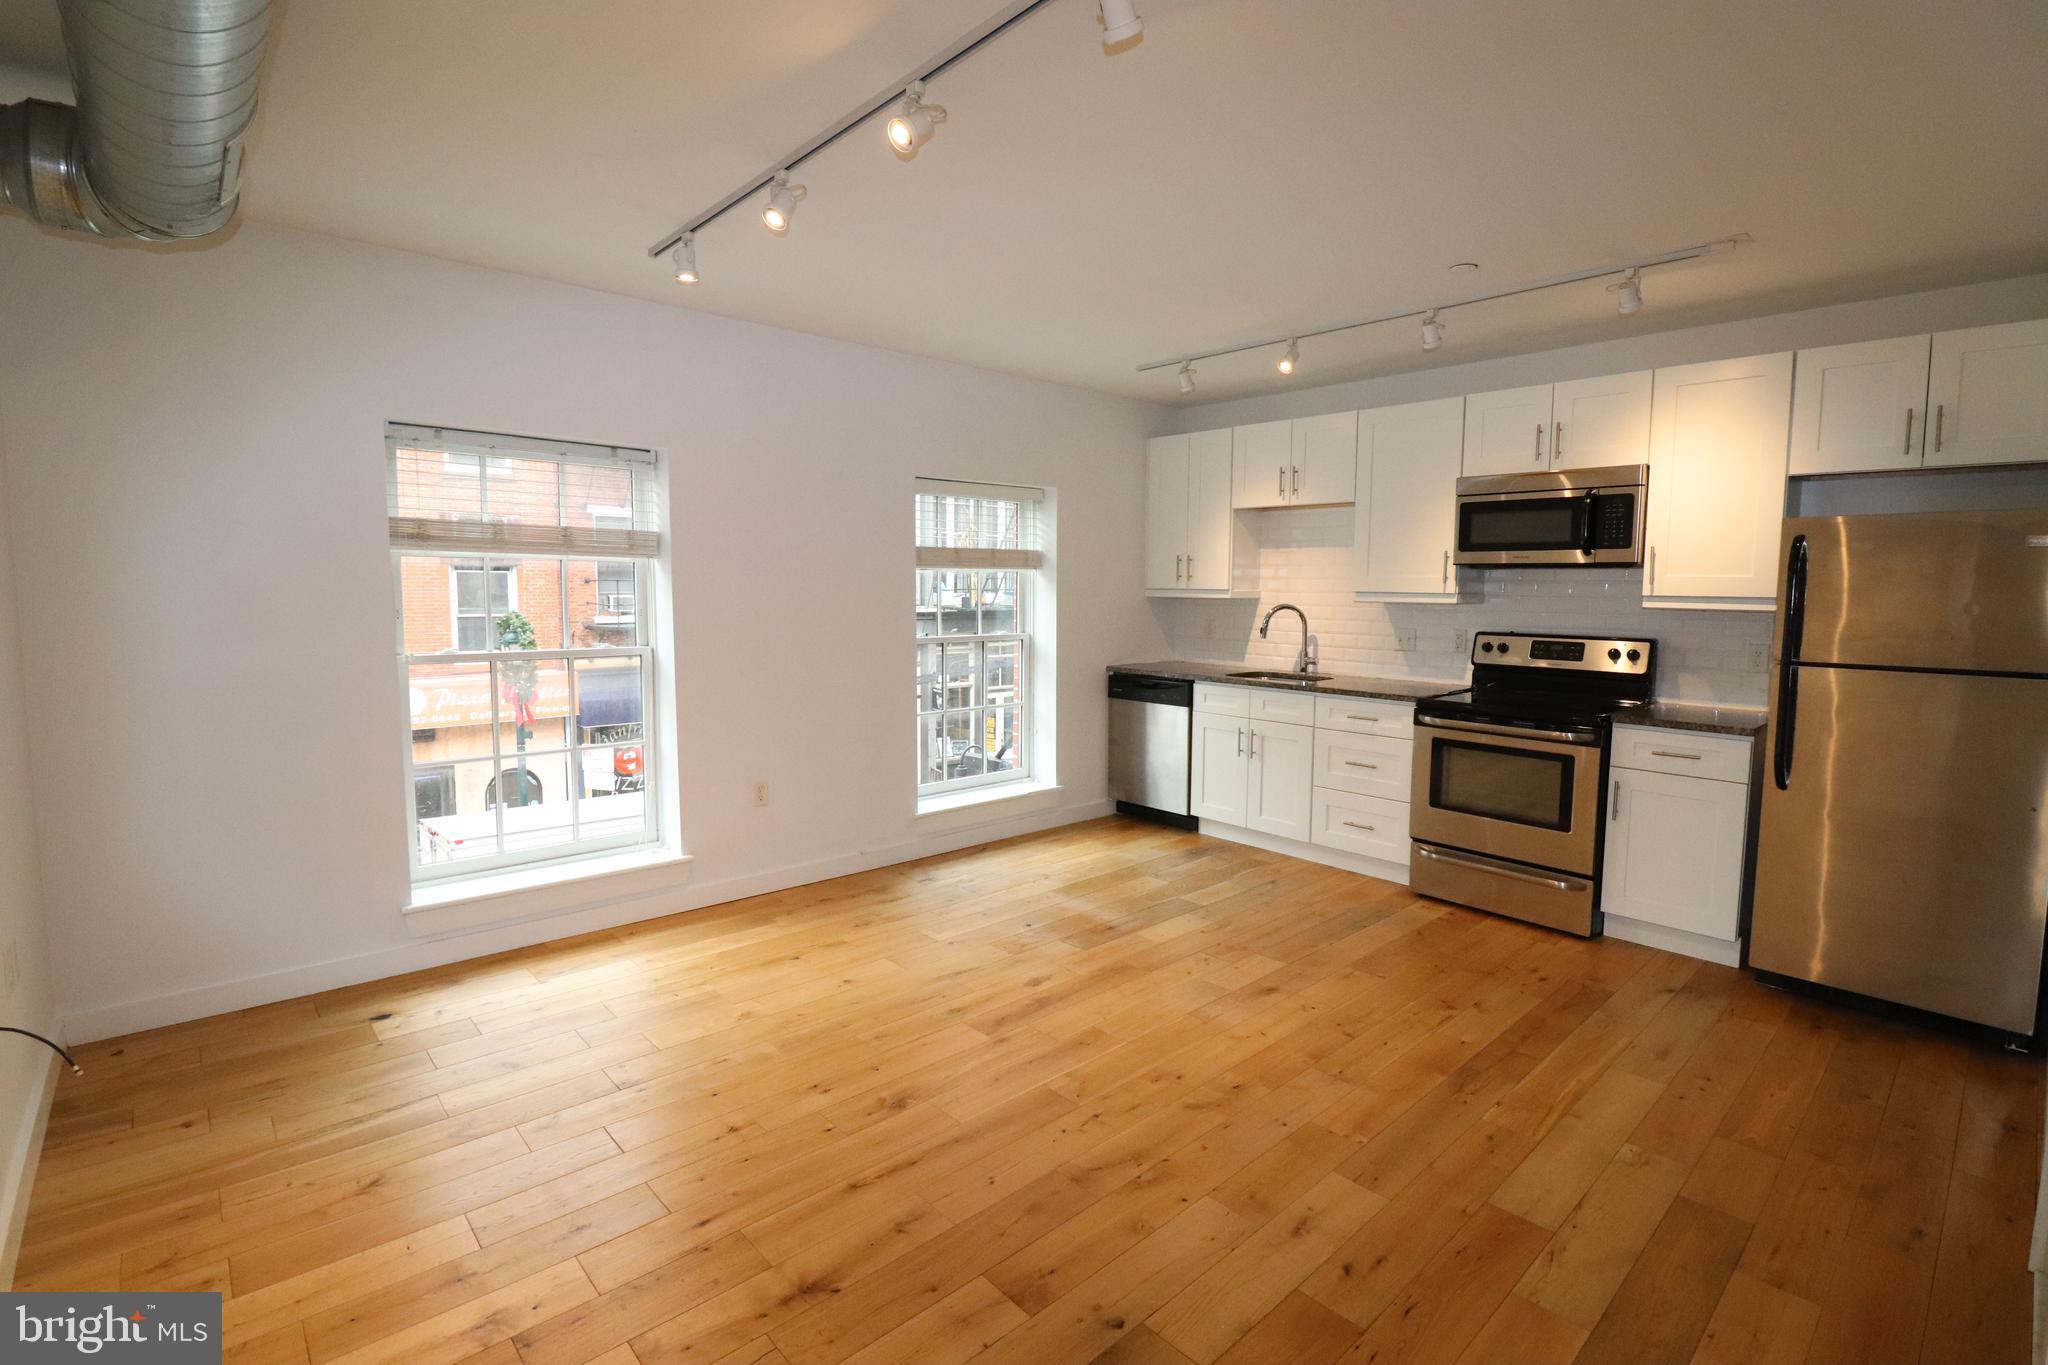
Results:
1249 169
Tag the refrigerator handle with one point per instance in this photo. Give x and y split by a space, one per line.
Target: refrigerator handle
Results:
1788 666
1787 722
1795 600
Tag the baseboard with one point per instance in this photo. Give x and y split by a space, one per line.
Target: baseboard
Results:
18 1173
1727 952
1396 873
94 1022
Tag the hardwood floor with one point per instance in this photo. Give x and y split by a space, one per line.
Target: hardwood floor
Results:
1113 1092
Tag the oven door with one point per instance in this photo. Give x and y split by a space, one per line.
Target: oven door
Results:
1532 796
1553 526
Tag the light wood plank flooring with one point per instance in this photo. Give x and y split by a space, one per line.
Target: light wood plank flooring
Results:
1112 1092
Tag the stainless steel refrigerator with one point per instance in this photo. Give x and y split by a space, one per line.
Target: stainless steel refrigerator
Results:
1903 851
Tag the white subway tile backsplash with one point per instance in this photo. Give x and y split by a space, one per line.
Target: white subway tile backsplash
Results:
1305 558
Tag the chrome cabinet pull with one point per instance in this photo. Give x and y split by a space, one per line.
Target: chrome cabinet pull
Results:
1191 568
1373 719
1176 568
1539 443
1254 735
1653 568
1673 753
1447 570
1354 763
1240 742
1280 483
1369 829
1295 490
1614 811
1557 443
1940 412
1909 433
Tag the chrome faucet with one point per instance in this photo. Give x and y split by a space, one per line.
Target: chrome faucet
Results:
1308 641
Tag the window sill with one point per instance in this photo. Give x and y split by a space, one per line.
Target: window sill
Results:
978 804
501 897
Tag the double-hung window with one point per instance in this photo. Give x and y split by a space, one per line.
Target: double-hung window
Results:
523 570
980 554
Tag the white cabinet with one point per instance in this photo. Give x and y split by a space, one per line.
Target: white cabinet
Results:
1404 521
1220 767
1296 463
1508 431
1263 454
1674 851
1365 825
1603 421
1364 765
1187 513
1277 800
1988 390
1718 439
1860 407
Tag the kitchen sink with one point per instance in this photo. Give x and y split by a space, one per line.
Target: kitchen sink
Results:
1303 679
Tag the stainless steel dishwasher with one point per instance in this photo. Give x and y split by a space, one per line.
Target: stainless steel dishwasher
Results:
1149 728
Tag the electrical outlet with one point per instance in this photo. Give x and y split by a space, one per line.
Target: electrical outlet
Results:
1460 641
760 793
1759 658
1404 638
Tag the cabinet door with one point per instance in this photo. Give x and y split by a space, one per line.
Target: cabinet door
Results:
1282 759
1604 421
1209 515
1674 851
1367 765
1166 512
1406 516
1221 763
1859 407
1265 461
1325 459
1508 431
1988 390
1718 439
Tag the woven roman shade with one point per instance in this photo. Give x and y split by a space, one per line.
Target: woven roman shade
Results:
979 526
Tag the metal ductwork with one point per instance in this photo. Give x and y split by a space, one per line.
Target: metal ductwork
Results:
153 149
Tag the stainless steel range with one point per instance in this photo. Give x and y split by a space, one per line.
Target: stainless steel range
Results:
1506 812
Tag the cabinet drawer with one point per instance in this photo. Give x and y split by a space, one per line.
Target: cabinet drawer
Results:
1395 719
1228 701
1289 708
1366 765
1360 824
1684 753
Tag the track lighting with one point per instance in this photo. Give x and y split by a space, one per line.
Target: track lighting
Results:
1291 359
1628 295
913 124
1120 22
1187 377
782 202
686 259
1432 331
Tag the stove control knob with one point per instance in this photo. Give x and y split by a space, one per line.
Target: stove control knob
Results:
1614 656
1635 656
1486 646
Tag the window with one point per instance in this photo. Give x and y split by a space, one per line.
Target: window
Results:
522 572
979 555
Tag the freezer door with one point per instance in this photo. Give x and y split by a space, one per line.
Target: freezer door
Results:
1946 590
1905 856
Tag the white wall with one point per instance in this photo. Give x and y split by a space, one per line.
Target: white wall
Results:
1304 554
26 1067
196 450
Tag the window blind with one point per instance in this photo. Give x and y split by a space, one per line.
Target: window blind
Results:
472 492
979 526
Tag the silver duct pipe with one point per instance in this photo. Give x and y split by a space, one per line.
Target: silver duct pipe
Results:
153 150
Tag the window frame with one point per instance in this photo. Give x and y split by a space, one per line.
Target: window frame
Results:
1021 637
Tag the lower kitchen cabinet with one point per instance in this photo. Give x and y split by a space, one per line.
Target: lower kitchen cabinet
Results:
1675 853
1282 757
1221 768
1369 826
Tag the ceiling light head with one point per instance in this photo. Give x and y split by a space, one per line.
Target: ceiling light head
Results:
1187 376
1120 23
686 259
783 198
1432 331
1628 295
914 122
1291 359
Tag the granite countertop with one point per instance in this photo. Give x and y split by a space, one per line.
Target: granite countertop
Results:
1384 689
1744 721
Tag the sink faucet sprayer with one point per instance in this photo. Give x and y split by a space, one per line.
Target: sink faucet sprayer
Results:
1308 641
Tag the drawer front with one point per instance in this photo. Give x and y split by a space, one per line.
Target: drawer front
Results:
1227 701
1362 716
1367 765
1364 825
1684 753
1289 708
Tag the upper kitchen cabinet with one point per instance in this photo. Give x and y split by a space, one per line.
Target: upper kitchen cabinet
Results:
1577 425
1988 391
1718 440
1309 460
1188 540
1860 407
1507 431
1404 522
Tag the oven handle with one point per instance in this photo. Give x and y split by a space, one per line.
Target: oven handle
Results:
1583 738
1498 869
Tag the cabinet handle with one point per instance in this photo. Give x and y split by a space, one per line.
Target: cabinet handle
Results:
1254 752
1653 568
1539 443
1369 829
1447 570
1673 753
1191 568
1240 742
1176 568
1909 433
1280 483
1354 763
1940 412
1352 716
1614 811
1295 490
1557 443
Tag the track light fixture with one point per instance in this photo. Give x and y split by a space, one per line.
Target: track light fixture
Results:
1432 331
1291 358
1120 23
1628 295
912 124
782 202
686 259
1187 377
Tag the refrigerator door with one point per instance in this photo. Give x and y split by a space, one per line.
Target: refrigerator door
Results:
1905 855
1945 590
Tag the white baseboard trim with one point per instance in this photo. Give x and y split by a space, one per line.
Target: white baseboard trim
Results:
1726 951
1396 873
91 1023
18 1173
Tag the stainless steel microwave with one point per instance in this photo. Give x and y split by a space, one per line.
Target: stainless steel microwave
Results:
1562 517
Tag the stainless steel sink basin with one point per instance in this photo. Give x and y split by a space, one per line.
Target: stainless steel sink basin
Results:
1300 679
